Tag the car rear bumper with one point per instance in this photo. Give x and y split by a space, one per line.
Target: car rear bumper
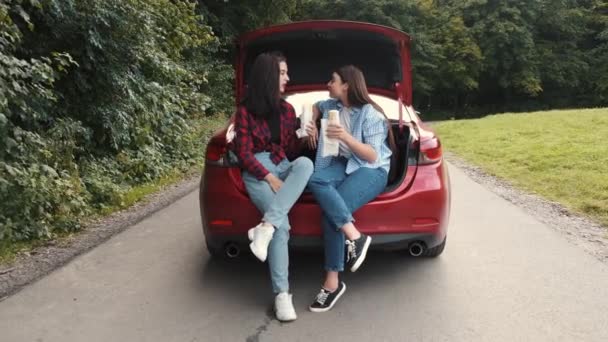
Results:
419 213
387 242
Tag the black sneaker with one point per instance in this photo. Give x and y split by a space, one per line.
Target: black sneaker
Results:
356 251
326 300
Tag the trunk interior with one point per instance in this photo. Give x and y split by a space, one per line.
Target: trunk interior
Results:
312 55
404 157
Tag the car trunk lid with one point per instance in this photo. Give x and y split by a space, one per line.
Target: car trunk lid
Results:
316 48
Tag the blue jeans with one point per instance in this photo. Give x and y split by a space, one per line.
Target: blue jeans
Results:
276 206
340 195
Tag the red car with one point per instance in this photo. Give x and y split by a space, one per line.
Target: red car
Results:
411 214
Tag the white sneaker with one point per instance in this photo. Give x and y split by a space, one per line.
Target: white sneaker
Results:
260 236
283 307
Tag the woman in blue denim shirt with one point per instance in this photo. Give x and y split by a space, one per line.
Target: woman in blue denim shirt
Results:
344 183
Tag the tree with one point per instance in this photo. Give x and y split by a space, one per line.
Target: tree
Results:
560 30
597 43
505 33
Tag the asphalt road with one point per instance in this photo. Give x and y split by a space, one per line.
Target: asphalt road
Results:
504 276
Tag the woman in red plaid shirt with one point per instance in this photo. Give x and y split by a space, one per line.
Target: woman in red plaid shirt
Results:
265 142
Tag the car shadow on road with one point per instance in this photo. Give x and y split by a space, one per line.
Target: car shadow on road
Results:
247 281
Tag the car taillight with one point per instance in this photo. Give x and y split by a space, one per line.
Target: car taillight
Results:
216 152
430 151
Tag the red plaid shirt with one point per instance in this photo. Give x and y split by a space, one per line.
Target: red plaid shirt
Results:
253 136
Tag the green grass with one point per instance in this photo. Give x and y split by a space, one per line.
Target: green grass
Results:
9 250
138 193
560 155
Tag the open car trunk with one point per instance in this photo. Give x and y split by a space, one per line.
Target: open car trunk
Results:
404 161
405 155
315 49
313 56
403 165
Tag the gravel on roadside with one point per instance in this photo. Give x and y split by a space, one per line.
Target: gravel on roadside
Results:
578 229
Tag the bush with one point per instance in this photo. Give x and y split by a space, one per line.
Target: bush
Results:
95 98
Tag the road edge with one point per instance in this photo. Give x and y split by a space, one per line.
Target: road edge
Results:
45 259
578 229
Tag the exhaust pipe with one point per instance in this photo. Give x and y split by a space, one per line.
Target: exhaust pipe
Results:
416 249
232 250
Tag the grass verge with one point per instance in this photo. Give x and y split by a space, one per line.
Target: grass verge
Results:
560 155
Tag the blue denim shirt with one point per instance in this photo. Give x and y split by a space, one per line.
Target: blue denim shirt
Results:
367 126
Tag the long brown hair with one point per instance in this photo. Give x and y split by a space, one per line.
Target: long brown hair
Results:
359 96
263 97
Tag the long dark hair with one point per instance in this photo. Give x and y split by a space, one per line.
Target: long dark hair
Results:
263 96
358 95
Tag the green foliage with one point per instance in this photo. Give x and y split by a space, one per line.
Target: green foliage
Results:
469 57
98 97
476 56
506 36
230 18
597 40
95 98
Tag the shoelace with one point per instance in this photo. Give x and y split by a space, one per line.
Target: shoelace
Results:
322 297
351 249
